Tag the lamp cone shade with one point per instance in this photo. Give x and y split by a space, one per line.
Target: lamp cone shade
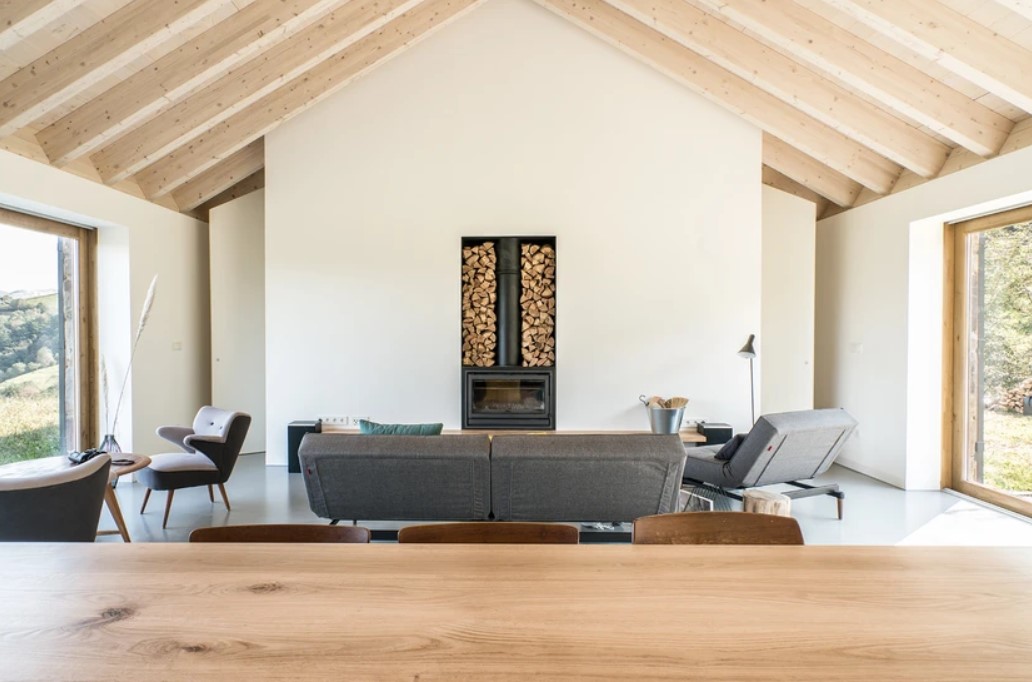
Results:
747 351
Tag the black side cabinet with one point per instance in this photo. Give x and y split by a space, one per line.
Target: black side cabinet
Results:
295 432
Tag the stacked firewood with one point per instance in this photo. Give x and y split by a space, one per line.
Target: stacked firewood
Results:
479 293
537 304
1014 399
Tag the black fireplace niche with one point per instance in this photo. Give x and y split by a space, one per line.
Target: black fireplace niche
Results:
508 398
508 332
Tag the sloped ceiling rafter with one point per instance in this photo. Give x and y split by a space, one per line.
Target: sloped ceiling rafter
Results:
297 95
21 18
760 108
244 85
779 75
848 115
176 76
953 41
838 54
92 55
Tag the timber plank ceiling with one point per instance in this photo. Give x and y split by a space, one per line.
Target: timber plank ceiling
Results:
169 100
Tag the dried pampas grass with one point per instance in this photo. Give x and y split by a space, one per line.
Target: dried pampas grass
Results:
148 304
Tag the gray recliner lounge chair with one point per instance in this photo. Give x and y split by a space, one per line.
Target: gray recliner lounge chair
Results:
789 447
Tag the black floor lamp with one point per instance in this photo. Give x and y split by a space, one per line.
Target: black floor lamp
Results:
748 351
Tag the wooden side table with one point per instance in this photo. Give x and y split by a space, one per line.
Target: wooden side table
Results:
138 462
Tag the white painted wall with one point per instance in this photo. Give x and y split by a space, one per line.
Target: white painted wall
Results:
653 194
137 239
879 314
237 238
785 341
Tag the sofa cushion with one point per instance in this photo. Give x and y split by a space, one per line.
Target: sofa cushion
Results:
397 478
730 448
568 477
372 428
182 461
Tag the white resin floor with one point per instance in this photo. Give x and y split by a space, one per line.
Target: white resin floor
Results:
875 513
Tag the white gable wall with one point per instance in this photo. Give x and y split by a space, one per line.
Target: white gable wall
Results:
510 121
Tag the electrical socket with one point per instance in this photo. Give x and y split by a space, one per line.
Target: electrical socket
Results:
355 420
334 419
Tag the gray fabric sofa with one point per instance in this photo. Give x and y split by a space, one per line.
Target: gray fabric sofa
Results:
397 478
584 477
547 477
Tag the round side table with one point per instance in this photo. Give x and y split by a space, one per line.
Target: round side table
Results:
138 462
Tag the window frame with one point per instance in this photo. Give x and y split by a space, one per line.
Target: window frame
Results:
955 354
88 401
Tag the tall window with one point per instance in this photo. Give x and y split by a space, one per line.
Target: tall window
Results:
990 267
46 356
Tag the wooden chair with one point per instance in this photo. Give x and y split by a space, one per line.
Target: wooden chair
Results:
716 528
495 532
281 533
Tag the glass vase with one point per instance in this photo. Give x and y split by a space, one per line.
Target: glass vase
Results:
110 445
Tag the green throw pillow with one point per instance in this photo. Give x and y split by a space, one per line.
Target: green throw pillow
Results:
373 428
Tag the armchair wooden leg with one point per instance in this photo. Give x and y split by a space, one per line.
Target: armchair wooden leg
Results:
211 494
146 496
168 508
225 498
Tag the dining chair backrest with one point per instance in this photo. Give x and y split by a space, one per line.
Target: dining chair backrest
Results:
281 533
716 528
493 532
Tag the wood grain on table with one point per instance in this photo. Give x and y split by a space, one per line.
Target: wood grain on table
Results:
208 611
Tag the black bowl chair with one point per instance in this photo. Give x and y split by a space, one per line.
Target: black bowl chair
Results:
210 451
62 506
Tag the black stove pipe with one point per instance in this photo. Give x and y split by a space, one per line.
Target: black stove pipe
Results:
510 320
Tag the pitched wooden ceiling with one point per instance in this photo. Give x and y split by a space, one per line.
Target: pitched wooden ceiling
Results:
170 99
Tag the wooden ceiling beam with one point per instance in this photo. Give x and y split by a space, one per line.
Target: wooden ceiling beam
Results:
953 41
244 85
790 82
777 180
96 53
175 76
299 94
220 177
21 18
809 172
1022 7
252 183
814 40
731 92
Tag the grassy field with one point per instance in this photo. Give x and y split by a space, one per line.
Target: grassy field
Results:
29 428
1008 451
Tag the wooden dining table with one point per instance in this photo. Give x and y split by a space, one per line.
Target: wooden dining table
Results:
446 612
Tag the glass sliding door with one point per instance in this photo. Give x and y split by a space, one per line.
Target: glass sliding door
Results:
992 359
46 364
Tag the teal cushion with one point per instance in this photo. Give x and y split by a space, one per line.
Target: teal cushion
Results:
399 429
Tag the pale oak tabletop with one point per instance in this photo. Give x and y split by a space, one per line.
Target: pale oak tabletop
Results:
208 611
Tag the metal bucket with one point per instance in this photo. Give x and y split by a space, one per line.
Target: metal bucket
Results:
665 419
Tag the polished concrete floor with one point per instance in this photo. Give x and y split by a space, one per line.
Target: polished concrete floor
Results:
875 513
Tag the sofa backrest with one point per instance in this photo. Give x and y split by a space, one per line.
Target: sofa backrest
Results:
404 478
791 446
566 477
